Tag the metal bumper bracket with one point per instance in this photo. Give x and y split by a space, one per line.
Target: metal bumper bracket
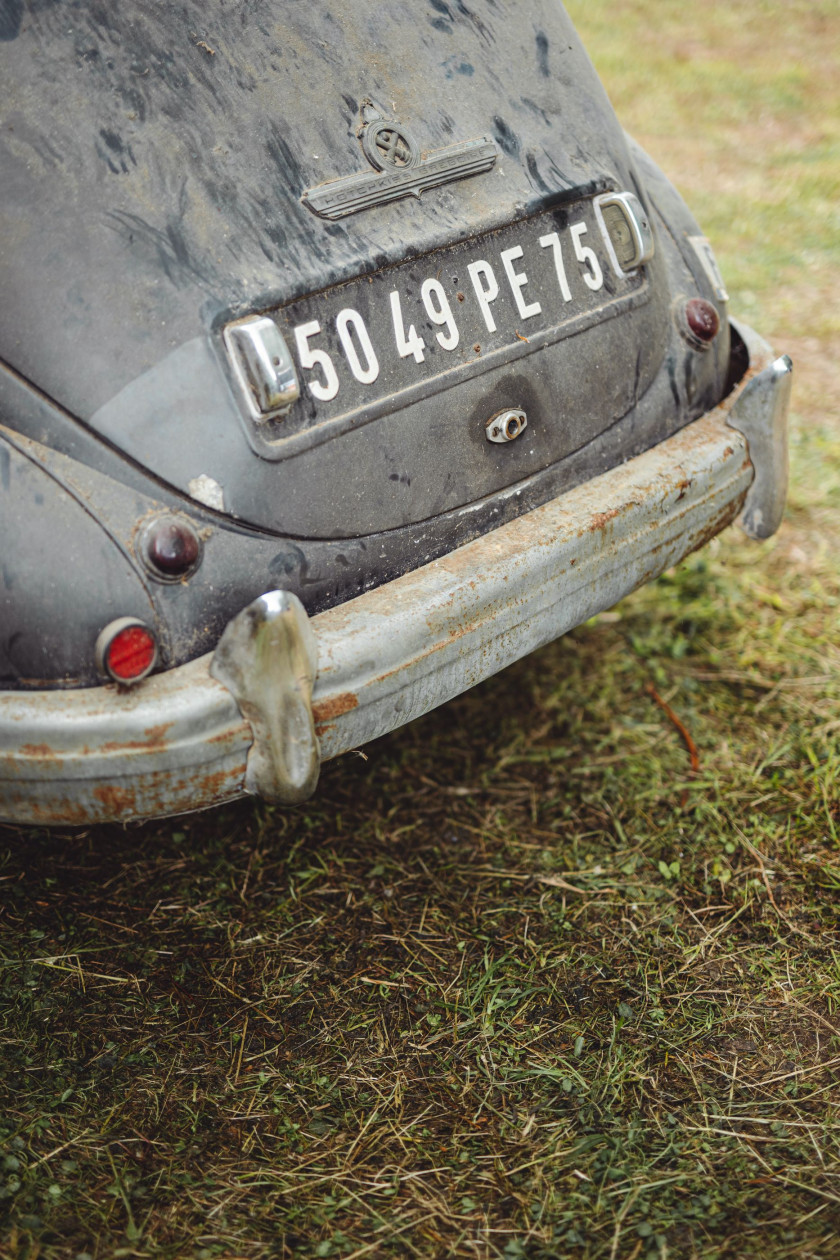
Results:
761 414
268 658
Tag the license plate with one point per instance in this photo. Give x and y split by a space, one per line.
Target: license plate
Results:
382 341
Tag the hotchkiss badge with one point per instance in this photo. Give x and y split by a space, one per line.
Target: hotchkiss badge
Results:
400 169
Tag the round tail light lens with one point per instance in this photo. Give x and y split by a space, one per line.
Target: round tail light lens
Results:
702 318
126 651
698 322
172 548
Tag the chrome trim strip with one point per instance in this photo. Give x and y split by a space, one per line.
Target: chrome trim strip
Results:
352 193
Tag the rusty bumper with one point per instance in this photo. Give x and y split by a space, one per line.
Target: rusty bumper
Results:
180 742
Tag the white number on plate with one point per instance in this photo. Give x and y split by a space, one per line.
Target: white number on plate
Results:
344 321
593 276
440 312
412 344
553 240
310 358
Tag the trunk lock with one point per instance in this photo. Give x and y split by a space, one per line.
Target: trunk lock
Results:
506 425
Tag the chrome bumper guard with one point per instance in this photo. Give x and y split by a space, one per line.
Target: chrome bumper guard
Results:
282 692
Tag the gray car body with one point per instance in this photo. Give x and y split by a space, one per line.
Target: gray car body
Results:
155 162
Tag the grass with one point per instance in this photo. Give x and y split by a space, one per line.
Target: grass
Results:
522 982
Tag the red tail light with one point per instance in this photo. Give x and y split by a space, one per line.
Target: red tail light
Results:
126 651
171 547
702 318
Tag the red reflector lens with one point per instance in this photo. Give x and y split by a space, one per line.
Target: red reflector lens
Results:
130 654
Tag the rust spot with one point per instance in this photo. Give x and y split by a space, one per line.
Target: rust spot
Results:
230 737
334 708
118 802
600 519
42 751
155 738
460 297
64 813
477 348
218 785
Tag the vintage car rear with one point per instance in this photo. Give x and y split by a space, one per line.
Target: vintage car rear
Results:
372 311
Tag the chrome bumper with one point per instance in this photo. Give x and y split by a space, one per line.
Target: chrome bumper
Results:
315 688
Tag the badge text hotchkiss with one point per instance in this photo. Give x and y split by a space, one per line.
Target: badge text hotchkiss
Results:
401 170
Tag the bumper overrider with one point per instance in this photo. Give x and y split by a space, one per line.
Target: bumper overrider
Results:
283 692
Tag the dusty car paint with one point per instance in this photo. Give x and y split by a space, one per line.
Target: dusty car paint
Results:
153 193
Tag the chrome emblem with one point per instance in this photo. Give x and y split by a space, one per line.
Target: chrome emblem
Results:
400 169
386 145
